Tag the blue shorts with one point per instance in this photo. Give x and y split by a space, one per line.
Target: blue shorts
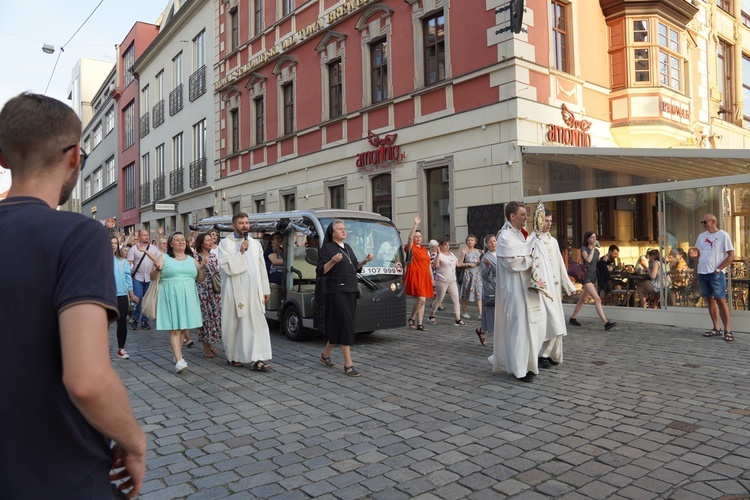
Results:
713 285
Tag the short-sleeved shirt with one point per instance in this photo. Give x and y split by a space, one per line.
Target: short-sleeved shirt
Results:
57 260
446 272
144 270
590 266
713 249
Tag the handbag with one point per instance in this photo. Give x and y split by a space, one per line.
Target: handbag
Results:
216 283
577 271
148 305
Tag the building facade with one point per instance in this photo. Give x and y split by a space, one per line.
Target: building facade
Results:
100 176
439 108
176 122
126 95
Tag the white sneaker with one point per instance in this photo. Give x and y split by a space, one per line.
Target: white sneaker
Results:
180 366
465 316
122 354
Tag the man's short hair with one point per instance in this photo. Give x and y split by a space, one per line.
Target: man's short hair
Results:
547 212
239 215
612 248
34 129
512 207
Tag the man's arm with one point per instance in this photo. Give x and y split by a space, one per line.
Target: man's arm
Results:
97 391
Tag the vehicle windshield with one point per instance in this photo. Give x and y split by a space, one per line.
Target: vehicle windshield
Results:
381 239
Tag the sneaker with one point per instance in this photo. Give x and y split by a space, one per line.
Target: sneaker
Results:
465 316
145 326
122 354
609 325
134 325
575 322
180 366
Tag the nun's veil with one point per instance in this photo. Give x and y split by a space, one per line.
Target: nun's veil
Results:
329 230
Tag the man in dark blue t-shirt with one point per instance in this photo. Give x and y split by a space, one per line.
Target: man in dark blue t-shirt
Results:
63 403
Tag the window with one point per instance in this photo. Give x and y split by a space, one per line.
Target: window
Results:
560 35
746 89
177 156
258 18
176 176
337 196
234 119
434 48
177 70
335 97
110 120
127 62
288 91
290 202
381 195
130 186
641 60
234 29
438 201
234 207
725 5
287 7
656 50
87 144
379 70
129 122
110 166
724 77
260 205
145 102
199 140
260 135
87 187
746 12
199 50
669 61
97 134
159 160
98 182
160 86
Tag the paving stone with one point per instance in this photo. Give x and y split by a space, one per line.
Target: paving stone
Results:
553 488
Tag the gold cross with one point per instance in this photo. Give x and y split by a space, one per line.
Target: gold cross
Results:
240 305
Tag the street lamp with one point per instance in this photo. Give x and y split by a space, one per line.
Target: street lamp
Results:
48 48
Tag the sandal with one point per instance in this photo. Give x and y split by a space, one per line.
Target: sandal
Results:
420 327
460 322
190 343
260 366
482 336
351 371
326 361
236 364
411 323
432 320
713 333
728 336
208 354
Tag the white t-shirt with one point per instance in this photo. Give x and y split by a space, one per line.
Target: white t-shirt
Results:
713 249
144 271
447 270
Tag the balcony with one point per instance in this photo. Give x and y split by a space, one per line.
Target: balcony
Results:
159 188
197 84
143 128
175 101
198 173
176 184
145 193
158 113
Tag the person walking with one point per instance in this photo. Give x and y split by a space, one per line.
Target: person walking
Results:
210 299
125 295
177 305
445 263
418 279
590 257
141 257
716 255
471 285
338 268
488 268
68 426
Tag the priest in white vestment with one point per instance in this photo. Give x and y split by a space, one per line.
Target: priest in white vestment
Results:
552 350
520 318
244 291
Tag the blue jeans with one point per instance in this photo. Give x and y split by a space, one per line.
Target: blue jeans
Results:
713 285
140 288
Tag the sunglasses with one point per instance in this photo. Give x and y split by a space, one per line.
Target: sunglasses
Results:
704 222
84 156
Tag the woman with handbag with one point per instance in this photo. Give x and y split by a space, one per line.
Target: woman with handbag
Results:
209 294
418 280
124 287
177 304
489 273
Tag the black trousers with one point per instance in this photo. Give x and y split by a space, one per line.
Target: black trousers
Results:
123 302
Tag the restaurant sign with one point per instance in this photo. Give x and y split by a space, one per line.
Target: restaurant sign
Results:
576 134
385 155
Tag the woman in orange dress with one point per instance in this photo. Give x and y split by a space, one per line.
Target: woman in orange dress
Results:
419 280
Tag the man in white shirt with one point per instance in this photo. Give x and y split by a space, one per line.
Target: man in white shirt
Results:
141 258
716 255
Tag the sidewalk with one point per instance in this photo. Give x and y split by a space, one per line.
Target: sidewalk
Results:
638 412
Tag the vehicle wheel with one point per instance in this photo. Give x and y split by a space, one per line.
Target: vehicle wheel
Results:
291 324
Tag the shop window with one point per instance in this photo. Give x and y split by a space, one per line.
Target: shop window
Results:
438 202
560 39
433 29
379 70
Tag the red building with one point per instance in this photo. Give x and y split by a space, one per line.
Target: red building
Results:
126 95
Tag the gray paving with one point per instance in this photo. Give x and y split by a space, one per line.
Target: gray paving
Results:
639 412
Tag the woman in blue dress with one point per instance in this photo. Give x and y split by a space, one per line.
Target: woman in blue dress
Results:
177 306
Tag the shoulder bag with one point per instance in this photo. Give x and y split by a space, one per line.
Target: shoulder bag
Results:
148 305
216 283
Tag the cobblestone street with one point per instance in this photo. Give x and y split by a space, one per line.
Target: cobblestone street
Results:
638 412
